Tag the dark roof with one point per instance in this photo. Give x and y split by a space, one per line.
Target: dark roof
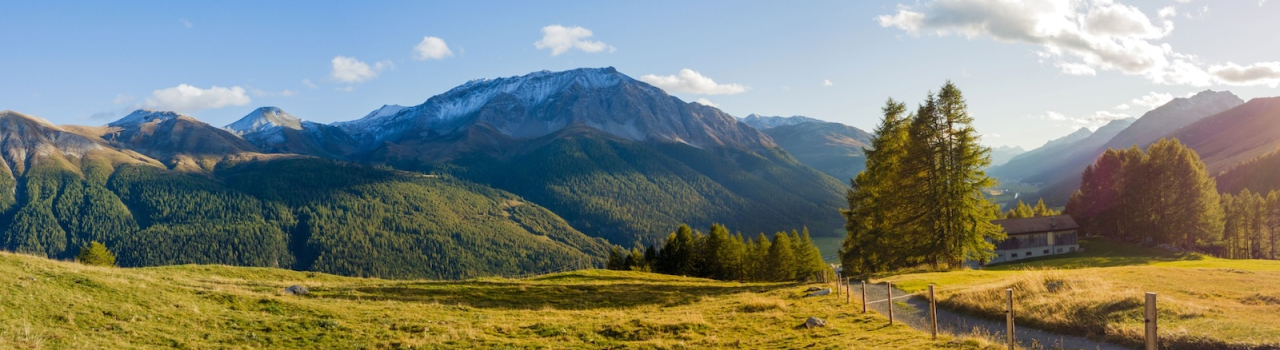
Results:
1038 224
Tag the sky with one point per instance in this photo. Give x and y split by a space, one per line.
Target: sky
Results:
1031 71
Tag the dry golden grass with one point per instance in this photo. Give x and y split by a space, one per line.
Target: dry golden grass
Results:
1204 303
60 305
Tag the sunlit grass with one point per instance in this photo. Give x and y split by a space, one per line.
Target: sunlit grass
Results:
1204 302
60 305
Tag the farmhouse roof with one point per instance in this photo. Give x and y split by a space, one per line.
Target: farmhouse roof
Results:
1038 224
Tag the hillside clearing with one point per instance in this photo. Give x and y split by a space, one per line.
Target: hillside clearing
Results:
1204 302
61 305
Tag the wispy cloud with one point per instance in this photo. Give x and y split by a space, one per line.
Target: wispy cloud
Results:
351 70
187 98
1080 37
431 48
691 81
560 39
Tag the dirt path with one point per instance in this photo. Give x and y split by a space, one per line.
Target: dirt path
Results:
915 314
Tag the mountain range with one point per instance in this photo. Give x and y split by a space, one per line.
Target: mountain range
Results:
1233 138
832 148
496 176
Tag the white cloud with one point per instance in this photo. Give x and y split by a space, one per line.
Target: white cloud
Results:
1261 73
561 39
187 98
1079 37
431 48
348 88
1123 106
123 99
826 82
995 136
706 102
1091 121
264 93
1075 68
1152 100
692 82
351 70
308 83
1167 11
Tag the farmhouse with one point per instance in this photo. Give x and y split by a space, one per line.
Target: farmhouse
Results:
1038 236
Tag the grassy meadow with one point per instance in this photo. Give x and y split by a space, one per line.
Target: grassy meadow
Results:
1204 302
47 304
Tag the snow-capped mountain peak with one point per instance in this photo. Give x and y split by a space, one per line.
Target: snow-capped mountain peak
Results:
264 118
143 116
527 90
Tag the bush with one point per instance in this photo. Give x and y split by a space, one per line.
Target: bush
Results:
96 254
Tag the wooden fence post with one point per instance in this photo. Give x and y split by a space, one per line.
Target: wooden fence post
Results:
1153 338
1009 319
888 288
848 291
864 296
933 312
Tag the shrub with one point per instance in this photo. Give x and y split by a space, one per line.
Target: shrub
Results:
96 254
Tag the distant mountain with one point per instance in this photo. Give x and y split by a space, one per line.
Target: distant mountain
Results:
1235 136
832 148
180 142
1002 154
617 157
1023 165
64 186
275 131
766 122
1151 127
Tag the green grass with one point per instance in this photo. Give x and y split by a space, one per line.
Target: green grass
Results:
1205 302
49 304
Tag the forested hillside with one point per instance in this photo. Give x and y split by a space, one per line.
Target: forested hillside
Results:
306 214
630 193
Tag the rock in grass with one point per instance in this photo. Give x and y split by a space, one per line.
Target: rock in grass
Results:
814 322
813 289
819 293
296 290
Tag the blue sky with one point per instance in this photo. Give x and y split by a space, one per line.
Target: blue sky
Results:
1031 70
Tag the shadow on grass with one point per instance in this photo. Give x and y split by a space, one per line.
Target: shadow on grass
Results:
536 296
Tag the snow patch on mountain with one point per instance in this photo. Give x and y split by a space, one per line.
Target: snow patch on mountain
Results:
143 116
529 90
766 122
264 119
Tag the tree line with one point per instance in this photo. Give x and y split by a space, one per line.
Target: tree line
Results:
1165 196
729 257
920 199
1023 211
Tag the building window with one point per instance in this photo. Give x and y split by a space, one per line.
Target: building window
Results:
1046 251
1028 253
1073 249
1014 255
1059 250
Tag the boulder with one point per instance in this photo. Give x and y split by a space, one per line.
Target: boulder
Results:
819 293
296 290
813 289
814 322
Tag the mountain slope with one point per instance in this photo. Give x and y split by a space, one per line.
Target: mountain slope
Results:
1235 136
1026 164
1002 154
616 157
768 122
275 131
1152 126
300 212
832 148
180 142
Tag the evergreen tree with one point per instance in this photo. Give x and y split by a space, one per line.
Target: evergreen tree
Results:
1043 210
1022 211
780 263
616 260
96 254
874 210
